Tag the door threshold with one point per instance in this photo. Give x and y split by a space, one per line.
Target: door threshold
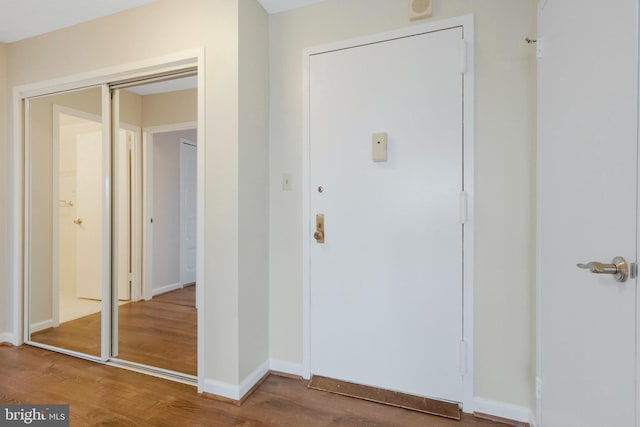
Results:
387 397
123 364
154 371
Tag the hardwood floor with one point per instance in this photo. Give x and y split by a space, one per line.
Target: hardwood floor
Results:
161 332
108 396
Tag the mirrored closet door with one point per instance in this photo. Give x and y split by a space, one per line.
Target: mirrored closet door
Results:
67 219
110 223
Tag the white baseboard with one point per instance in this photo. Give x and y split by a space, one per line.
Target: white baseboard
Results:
285 367
253 378
39 326
503 410
220 388
167 288
6 337
236 392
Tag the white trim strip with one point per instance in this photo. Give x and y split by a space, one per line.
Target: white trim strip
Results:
167 288
6 337
502 410
288 368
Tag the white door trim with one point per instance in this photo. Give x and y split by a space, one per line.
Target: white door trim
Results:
467 64
166 63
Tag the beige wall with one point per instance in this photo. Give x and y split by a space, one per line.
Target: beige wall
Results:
503 177
254 175
130 108
5 319
166 207
158 29
170 108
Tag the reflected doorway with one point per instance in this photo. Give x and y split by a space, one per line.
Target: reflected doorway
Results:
66 222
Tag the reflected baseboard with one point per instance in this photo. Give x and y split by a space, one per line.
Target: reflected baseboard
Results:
41 326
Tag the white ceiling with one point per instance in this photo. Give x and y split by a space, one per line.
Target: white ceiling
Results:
21 19
166 86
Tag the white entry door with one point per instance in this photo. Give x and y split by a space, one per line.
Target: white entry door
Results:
188 207
587 186
386 284
89 216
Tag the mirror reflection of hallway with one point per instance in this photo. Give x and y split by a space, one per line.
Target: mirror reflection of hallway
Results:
150 216
159 328
65 220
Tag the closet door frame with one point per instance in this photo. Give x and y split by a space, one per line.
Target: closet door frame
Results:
193 59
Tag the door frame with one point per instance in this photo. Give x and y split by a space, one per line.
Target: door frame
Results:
136 70
466 22
147 203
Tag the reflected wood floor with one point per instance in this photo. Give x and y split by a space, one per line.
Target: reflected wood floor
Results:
161 332
109 396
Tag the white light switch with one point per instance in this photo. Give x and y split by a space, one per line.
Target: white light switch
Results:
379 147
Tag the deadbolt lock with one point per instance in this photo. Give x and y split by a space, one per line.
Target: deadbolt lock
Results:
319 234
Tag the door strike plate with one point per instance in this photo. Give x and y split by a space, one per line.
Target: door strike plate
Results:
319 234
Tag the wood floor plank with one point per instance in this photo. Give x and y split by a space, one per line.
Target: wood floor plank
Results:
108 396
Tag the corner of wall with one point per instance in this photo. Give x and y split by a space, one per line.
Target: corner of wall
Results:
253 185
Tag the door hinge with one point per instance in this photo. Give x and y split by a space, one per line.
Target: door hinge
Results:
463 57
539 47
463 207
463 358
538 388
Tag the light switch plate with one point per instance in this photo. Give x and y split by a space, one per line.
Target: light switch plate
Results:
379 147
286 182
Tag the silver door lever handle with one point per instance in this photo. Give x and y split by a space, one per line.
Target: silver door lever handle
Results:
618 267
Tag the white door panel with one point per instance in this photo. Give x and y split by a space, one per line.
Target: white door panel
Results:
89 212
587 212
188 208
123 194
386 286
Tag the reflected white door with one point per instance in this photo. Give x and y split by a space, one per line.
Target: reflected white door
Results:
588 115
386 285
89 216
188 186
123 195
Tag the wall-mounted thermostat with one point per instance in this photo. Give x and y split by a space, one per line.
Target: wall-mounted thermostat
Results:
420 9
379 147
